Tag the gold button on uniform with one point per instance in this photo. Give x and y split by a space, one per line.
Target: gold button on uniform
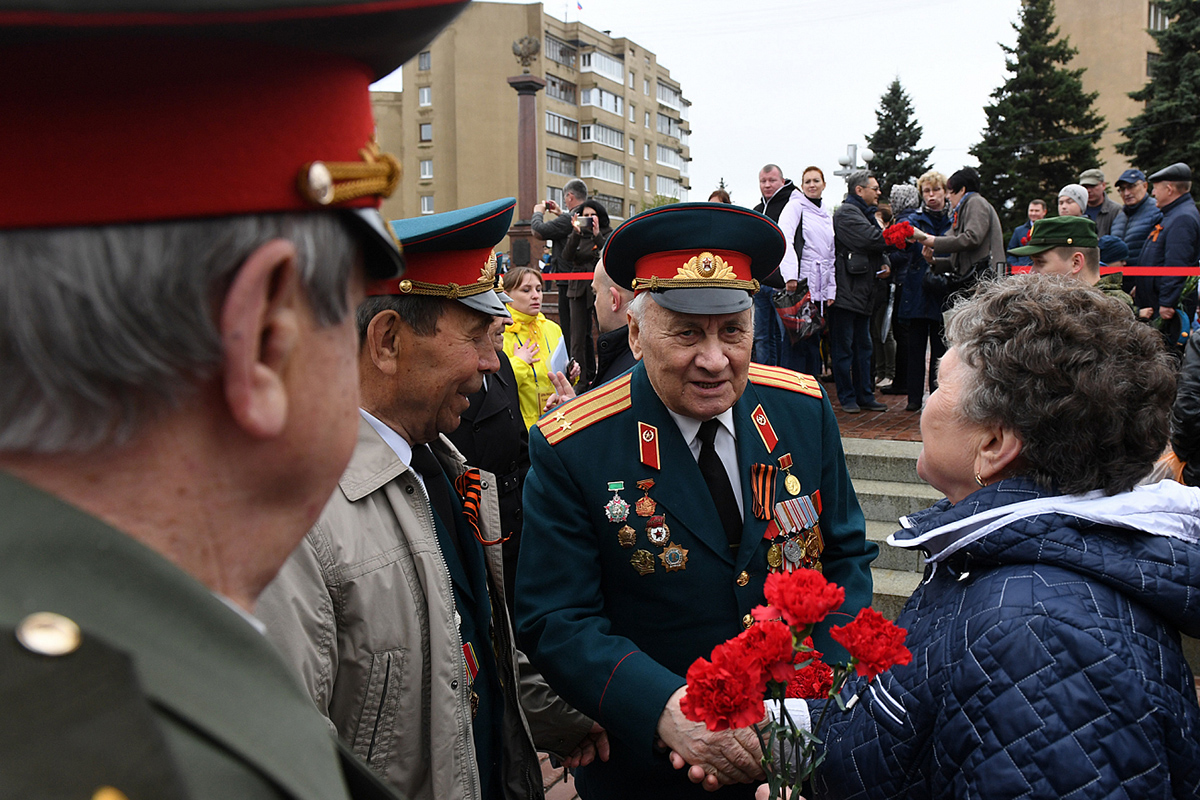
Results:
743 579
747 621
49 634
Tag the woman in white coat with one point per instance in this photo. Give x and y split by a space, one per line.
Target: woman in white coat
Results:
813 262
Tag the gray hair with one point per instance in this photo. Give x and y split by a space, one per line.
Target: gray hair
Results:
577 188
419 313
860 177
1086 387
105 327
637 307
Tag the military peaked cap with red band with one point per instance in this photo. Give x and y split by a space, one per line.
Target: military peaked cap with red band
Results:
695 258
450 255
126 111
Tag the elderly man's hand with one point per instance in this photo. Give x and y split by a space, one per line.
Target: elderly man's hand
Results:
716 758
594 744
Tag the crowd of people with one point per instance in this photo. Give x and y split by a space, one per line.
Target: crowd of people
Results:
300 506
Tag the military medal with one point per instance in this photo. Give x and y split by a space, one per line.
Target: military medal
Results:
674 558
616 509
793 552
657 531
643 561
627 536
645 506
791 482
775 557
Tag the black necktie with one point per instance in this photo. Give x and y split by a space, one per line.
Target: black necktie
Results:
437 487
718 483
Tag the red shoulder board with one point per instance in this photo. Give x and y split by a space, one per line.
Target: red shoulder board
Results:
780 378
611 398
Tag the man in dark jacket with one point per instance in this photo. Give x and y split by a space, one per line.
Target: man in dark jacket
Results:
768 331
858 260
1100 209
1036 211
612 348
556 231
1174 242
1139 215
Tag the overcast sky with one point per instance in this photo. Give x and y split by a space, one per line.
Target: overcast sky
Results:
795 81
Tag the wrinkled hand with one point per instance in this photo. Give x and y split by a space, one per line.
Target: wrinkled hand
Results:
716 758
562 391
594 744
527 352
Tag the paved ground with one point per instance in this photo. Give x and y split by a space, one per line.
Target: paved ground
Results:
895 423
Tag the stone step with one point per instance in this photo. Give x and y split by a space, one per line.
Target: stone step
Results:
887 501
882 460
895 558
892 590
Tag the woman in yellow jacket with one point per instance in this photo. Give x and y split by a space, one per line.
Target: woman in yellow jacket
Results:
530 341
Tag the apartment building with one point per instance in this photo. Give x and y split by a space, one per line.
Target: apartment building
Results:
610 114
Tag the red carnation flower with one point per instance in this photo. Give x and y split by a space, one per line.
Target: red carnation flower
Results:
873 642
726 692
802 597
897 235
769 645
814 680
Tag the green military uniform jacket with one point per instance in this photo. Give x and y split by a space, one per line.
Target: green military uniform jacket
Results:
171 682
616 643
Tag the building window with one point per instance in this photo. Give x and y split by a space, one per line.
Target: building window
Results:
562 126
561 163
630 79
645 86
603 169
555 193
559 51
1151 60
602 134
632 179
646 151
632 113
425 96
603 63
426 169
646 180
669 187
613 205
669 158
426 132
632 209
424 62
595 96
631 145
669 126
1156 19
647 119
669 96
560 89
426 204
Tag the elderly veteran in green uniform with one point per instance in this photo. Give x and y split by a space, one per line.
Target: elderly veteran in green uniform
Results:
181 257
1069 246
658 503
392 610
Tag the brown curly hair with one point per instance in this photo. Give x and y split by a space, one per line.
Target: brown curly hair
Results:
1086 386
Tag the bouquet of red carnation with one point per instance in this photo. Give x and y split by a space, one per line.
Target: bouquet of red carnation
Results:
897 235
775 658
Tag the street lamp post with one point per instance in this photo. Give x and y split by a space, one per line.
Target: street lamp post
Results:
849 161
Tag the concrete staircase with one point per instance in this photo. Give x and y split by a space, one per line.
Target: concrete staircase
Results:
885 479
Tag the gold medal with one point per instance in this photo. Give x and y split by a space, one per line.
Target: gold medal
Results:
645 506
627 536
775 557
643 561
674 558
792 484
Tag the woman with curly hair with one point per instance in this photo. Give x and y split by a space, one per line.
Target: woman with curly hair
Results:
1046 634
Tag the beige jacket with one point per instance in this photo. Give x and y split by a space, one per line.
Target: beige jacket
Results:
365 612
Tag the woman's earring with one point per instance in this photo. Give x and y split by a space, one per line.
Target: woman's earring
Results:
979 480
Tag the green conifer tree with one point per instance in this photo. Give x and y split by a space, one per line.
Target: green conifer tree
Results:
1166 131
897 157
1041 127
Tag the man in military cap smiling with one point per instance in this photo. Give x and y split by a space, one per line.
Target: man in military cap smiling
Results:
195 194
392 609
653 506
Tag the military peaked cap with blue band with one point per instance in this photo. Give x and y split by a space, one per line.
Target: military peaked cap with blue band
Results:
450 255
129 111
695 258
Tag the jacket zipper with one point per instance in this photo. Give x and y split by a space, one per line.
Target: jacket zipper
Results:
387 676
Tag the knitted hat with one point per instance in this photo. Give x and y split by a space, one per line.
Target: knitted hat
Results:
903 197
1076 193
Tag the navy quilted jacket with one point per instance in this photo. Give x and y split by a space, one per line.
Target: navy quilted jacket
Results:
1046 655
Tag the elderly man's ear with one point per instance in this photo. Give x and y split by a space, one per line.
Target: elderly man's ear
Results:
260 326
384 341
999 455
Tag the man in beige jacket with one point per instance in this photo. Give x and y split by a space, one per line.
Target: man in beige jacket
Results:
392 610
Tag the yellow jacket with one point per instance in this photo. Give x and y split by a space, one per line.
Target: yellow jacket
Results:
533 381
